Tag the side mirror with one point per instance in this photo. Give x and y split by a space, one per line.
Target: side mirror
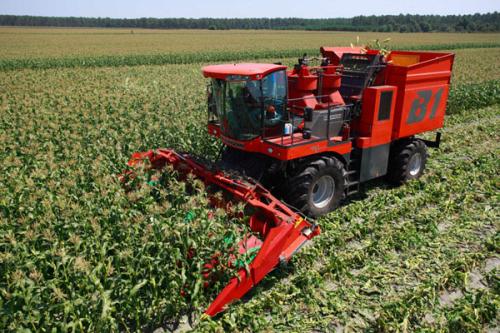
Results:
308 114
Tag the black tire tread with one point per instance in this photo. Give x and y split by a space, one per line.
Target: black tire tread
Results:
299 184
400 158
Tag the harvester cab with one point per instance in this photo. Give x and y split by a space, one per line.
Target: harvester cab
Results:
299 141
247 100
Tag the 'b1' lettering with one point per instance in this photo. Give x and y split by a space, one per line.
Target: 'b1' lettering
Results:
420 106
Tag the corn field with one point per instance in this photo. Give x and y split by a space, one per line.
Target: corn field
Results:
80 253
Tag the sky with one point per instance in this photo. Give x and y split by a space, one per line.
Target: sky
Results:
242 8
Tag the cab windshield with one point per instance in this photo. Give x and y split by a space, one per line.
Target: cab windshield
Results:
249 108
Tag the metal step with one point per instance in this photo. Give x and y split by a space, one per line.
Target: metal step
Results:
349 193
352 183
351 172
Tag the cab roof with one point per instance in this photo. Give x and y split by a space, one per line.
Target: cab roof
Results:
253 71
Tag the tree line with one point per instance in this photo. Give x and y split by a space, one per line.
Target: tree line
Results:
489 22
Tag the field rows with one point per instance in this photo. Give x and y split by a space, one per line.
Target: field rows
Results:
24 43
165 86
78 253
476 65
198 57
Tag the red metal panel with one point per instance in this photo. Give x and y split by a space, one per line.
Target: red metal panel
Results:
286 150
334 54
253 71
374 132
422 109
422 79
365 122
300 148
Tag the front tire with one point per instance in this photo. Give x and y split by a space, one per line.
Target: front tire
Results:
407 162
316 187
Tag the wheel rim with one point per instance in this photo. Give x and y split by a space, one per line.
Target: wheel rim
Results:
415 164
323 191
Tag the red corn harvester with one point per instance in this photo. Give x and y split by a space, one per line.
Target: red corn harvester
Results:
310 136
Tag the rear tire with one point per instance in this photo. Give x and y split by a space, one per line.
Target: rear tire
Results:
407 161
316 187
